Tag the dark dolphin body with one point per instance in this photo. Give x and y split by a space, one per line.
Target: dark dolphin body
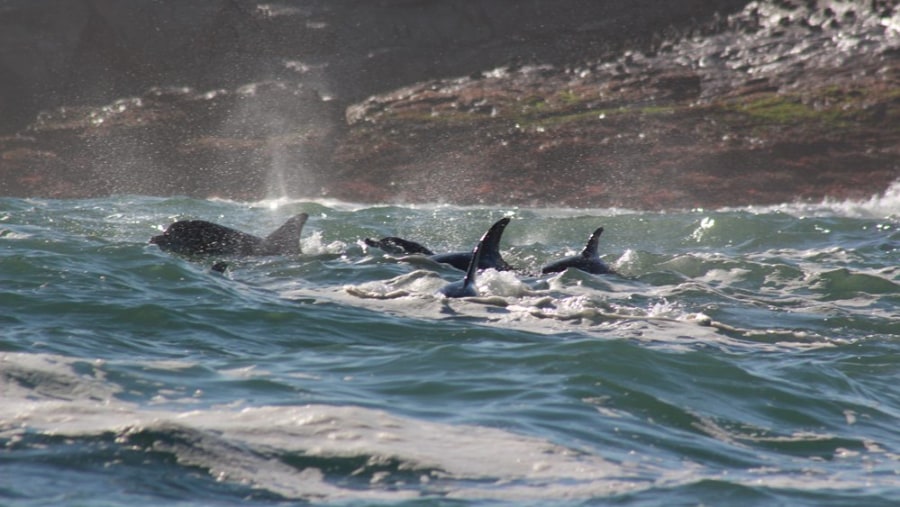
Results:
398 246
199 237
588 260
489 256
466 287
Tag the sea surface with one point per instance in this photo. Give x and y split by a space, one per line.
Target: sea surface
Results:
746 356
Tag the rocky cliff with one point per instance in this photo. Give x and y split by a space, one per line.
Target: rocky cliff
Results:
577 103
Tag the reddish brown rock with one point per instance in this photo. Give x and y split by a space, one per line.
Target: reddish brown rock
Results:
781 105
759 114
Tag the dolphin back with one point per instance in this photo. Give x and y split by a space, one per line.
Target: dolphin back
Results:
199 237
398 246
459 260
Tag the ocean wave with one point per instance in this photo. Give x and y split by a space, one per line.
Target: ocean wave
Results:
736 353
290 450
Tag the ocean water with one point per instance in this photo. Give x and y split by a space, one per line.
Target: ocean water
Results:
745 356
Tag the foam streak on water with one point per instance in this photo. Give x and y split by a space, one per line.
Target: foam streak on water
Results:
744 354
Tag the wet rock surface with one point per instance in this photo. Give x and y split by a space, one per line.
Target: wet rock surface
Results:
782 101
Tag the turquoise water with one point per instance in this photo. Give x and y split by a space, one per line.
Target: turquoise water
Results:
742 357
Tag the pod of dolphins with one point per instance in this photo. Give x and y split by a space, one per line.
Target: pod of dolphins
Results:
199 237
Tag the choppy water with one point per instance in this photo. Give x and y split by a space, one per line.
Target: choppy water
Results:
744 356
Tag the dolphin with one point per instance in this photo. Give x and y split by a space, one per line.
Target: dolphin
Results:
466 287
199 237
490 256
398 246
587 261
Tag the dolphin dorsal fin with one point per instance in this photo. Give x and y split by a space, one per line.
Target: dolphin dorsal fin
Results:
469 280
590 250
286 239
490 242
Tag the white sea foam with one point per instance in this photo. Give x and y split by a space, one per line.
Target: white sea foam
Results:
43 393
8 234
313 244
885 205
564 308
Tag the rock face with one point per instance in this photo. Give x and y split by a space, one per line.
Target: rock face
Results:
787 103
90 52
556 102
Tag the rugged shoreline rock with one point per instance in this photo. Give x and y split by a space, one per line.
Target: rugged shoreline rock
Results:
772 110
787 101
